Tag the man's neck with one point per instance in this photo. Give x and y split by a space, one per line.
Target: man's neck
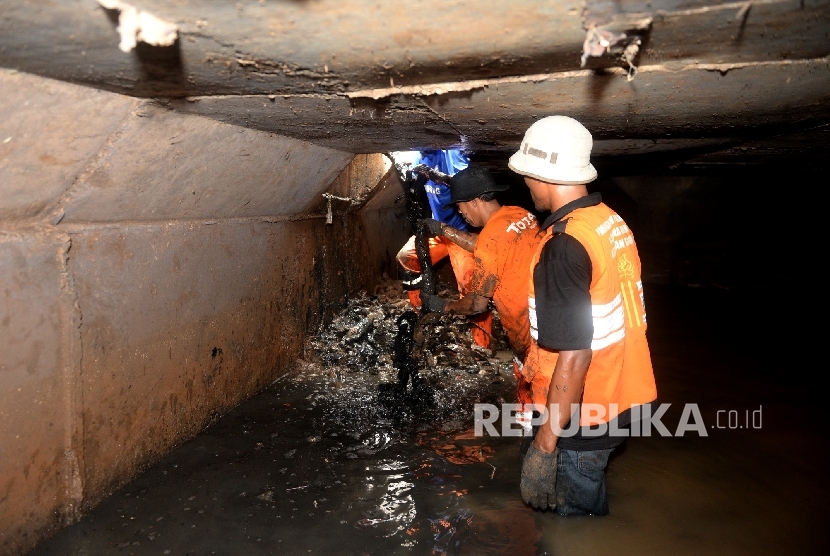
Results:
488 209
561 195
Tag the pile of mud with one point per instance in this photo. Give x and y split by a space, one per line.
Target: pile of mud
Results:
446 370
362 338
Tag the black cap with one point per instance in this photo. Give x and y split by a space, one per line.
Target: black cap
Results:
472 182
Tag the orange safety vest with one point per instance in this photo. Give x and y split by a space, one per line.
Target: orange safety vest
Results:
620 372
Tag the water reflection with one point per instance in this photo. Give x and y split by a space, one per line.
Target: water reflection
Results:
324 469
394 510
424 499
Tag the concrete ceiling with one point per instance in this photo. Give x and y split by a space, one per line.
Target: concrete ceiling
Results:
716 84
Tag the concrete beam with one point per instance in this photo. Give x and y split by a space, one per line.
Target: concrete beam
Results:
493 114
252 47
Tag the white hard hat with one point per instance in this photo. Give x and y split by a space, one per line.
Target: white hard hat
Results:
556 149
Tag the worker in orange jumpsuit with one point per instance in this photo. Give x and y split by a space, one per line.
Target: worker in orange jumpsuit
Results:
502 252
435 166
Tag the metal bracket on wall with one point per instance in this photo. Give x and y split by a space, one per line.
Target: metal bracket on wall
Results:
329 197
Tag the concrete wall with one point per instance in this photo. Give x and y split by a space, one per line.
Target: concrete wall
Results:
386 212
155 270
38 377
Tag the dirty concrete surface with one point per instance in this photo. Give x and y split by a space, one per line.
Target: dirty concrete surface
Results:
143 280
364 77
315 464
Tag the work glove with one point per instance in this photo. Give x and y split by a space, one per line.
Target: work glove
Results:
431 173
417 180
432 303
539 478
432 226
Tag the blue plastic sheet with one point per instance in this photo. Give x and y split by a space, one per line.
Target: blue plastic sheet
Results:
449 162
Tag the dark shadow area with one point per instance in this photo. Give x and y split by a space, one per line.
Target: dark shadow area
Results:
376 107
599 83
162 68
617 199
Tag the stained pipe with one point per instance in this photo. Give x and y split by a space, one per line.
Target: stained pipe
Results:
422 248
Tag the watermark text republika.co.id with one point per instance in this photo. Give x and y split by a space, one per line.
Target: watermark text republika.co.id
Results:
646 420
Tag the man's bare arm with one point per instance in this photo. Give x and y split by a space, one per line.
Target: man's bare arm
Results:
478 299
470 304
566 386
465 240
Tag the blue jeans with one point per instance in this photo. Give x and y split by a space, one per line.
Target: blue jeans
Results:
580 482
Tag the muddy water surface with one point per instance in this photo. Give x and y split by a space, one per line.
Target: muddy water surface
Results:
315 464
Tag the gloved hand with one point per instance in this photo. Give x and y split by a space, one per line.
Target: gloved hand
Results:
432 303
417 179
433 226
538 484
431 173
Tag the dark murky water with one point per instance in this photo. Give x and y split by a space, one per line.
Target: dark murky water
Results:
316 465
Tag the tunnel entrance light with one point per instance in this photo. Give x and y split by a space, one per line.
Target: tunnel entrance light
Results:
405 158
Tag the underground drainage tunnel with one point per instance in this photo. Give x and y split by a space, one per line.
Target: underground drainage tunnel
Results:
210 344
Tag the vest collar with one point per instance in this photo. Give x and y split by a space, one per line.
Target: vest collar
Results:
587 201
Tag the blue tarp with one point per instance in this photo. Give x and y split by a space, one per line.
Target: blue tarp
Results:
449 162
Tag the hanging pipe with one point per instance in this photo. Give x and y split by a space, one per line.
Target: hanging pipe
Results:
422 248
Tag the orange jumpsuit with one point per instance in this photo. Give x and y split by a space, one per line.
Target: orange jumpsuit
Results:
504 250
462 262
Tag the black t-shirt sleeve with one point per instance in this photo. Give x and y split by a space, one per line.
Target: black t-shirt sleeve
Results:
561 281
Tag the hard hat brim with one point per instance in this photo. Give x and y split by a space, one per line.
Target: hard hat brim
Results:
539 169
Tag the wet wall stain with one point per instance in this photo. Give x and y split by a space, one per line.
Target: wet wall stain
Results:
159 365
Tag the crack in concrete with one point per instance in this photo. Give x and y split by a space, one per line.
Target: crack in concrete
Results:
73 477
465 86
255 65
736 6
442 118
55 214
200 35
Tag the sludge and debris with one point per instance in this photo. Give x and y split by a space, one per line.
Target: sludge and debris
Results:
425 367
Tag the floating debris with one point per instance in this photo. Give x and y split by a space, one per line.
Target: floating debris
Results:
267 496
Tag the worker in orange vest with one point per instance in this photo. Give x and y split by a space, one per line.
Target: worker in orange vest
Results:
588 360
502 251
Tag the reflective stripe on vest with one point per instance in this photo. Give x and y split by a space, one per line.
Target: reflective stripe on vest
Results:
531 312
609 323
